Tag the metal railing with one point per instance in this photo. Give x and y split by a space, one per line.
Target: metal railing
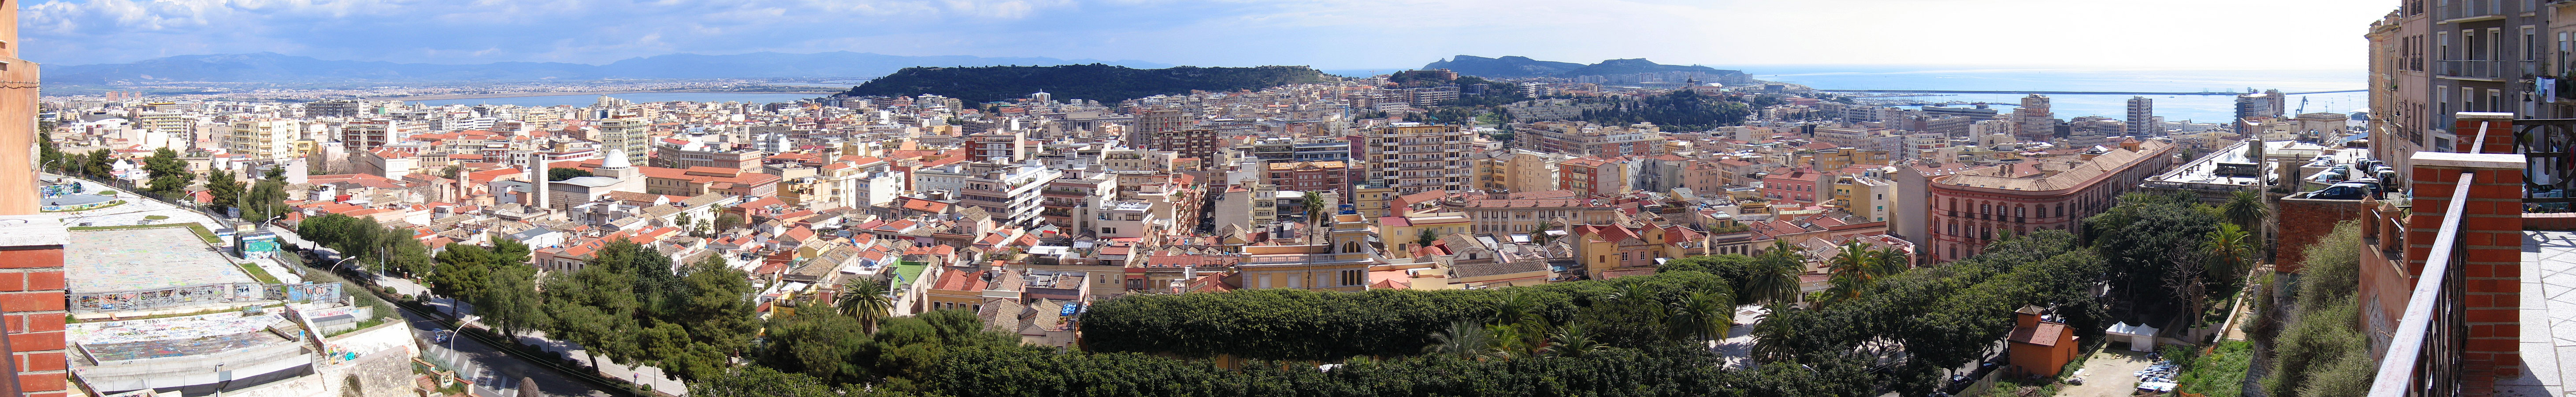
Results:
2423 357
2483 68
2549 144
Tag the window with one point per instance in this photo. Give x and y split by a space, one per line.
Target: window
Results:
1354 277
2530 43
1107 230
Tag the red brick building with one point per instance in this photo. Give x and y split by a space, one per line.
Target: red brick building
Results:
1971 208
1796 186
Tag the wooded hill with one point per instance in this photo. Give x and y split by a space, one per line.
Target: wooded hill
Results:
1098 82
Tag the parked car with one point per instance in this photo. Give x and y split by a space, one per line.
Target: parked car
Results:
2344 191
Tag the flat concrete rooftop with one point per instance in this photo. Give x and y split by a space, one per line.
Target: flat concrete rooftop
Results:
135 259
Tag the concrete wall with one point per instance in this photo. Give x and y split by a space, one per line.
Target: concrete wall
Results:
386 373
391 335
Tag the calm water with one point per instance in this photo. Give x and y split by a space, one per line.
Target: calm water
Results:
2202 108
639 97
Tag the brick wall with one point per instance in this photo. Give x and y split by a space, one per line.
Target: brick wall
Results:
31 307
2302 222
2490 240
2499 130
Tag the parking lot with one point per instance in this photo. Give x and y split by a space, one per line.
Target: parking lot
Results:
2109 373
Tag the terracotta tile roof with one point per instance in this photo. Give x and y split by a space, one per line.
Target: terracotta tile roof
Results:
2045 334
960 281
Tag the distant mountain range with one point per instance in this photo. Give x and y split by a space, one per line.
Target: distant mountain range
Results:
278 68
1104 83
1512 67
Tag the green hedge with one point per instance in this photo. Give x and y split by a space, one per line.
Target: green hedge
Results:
1038 372
1318 325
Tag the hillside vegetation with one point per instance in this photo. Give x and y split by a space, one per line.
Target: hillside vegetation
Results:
1097 82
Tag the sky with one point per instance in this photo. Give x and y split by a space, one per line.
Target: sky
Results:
1326 34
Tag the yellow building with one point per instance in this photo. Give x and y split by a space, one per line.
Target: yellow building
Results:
1371 200
963 288
1867 197
1530 171
1412 216
1493 172
1615 250
1341 263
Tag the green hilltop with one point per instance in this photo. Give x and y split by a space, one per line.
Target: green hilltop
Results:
1098 82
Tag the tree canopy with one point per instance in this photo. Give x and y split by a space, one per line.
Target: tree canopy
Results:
629 304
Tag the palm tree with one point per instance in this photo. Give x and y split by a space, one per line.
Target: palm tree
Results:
2230 248
1573 342
1775 274
1888 262
1630 293
865 299
1519 309
1464 339
1854 261
2245 209
1703 316
1772 335
1845 287
1314 201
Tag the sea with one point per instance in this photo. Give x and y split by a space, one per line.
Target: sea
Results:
639 97
2199 108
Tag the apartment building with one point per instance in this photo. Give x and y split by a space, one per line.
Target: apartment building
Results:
686 157
1414 157
627 133
263 138
375 133
2032 121
1310 176
1970 209
1006 146
1191 143
1582 139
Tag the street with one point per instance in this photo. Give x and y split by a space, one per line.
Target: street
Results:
485 365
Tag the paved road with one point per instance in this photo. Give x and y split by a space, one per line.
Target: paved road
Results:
488 366
470 357
513 365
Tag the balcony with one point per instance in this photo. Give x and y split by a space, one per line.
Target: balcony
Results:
2434 348
2484 69
2422 356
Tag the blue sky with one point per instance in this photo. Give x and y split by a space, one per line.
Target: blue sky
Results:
1328 34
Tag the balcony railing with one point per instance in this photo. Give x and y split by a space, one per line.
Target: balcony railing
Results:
2423 357
2484 68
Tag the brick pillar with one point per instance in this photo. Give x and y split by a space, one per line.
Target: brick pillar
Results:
31 301
2499 130
2490 239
